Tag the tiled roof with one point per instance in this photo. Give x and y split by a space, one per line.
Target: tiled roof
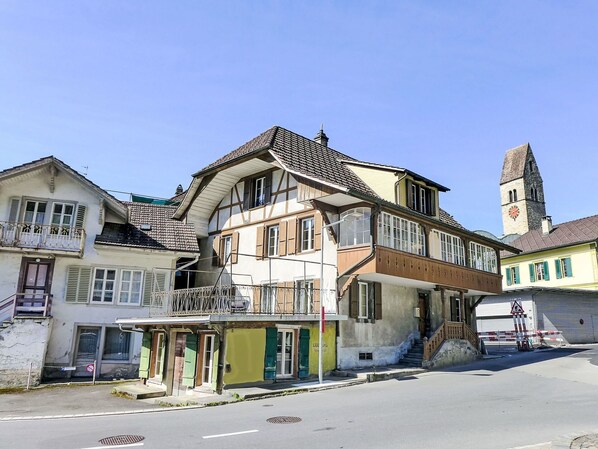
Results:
447 218
514 163
164 234
301 155
564 234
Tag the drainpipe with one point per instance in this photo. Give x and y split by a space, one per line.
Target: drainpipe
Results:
132 330
221 360
195 260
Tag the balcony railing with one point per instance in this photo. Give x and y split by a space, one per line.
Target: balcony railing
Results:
242 299
47 237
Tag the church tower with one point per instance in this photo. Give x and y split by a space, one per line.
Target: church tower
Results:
521 192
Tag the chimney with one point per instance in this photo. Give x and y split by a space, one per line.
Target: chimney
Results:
321 138
546 224
179 189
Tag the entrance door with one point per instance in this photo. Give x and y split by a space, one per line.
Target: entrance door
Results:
35 284
207 360
179 362
285 352
88 344
157 362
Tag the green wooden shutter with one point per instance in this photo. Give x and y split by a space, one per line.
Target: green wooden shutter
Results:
190 364
80 218
144 360
77 284
509 279
377 300
532 273
516 279
303 353
546 272
270 353
557 268
568 267
216 366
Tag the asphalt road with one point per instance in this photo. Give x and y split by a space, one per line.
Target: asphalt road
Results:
525 399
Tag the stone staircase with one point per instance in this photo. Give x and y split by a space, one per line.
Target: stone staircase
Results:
414 357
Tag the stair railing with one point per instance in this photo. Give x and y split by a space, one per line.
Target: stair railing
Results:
449 330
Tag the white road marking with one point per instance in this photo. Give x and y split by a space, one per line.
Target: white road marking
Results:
229 434
546 445
118 446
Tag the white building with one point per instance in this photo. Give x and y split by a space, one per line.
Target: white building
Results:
72 260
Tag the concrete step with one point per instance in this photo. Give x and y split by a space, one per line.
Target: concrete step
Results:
138 391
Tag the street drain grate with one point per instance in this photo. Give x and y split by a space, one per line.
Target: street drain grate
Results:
121 439
284 420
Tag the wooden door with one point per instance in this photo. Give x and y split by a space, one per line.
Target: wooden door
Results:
424 315
34 285
179 362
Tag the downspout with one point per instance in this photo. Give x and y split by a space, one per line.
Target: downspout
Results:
221 359
195 260
132 330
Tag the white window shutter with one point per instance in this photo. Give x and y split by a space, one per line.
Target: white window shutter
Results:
80 218
13 214
77 284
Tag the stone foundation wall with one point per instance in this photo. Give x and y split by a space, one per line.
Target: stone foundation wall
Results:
23 346
451 353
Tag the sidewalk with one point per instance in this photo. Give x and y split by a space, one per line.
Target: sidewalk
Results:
108 398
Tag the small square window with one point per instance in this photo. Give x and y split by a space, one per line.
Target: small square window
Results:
307 234
117 344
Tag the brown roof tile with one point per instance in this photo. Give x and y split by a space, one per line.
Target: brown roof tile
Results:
164 234
514 163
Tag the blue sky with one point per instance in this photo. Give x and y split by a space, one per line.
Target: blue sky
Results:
145 93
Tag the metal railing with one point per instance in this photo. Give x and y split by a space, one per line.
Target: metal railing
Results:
449 330
26 304
51 237
244 299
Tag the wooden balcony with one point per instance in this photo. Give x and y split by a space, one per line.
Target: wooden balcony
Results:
26 305
410 266
51 238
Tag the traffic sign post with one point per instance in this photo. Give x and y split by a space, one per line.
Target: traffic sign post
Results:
520 328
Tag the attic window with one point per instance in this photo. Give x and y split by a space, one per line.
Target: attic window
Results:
146 227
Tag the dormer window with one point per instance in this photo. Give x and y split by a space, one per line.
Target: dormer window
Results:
257 191
421 198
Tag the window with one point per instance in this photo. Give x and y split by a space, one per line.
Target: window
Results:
364 300
563 268
307 234
304 293
399 233
130 287
117 344
365 356
456 309
513 275
273 240
510 196
514 195
482 257
538 271
355 227
103 285
421 198
62 218
257 191
34 217
227 248
451 248
268 300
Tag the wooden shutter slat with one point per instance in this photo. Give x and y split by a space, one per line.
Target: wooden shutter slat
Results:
13 215
216 255
270 353
247 195
557 267
354 299
532 273
517 278
235 247
568 267
292 237
318 231
546 272
259 246
303 371
316 296
80 218
282 238
509 280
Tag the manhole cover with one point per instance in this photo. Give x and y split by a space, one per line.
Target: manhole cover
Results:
121 439
284 419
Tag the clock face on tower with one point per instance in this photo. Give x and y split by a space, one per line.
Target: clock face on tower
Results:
514 212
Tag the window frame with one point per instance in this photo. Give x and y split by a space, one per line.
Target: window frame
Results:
131 282
482 257
103 289
539 271
127 337
268 298
272 247
304 291
311 232
227 247
401 234
452 248
364 301
258 184
353 230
